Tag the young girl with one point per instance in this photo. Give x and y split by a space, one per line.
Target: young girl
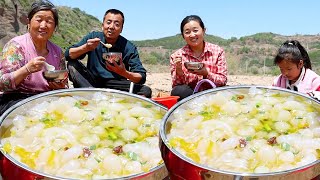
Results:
295 66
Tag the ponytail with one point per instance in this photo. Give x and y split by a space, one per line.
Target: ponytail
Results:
293 51
304 54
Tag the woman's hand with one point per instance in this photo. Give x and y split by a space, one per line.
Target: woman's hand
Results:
177 60
36 64
62 84
203 71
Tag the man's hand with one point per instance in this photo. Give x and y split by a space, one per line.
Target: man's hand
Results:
117 68
92 44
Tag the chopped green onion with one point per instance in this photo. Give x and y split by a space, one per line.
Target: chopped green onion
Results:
253 149
93 147
285 146
98 160
132 155
258 105
267 127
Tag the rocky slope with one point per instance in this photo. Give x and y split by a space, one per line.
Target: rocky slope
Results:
73 23
13 20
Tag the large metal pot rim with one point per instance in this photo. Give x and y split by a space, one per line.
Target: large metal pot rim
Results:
167 115
55 92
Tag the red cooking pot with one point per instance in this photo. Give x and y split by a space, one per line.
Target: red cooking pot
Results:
12 169
181 167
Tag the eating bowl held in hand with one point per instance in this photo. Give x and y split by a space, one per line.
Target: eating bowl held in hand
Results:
193 65
56 75
112 57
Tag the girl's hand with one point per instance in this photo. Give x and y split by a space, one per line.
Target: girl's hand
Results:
36 64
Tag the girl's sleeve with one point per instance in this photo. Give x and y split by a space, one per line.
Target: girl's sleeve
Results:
11 60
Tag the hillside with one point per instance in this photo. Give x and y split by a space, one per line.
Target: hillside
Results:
246 55
73 23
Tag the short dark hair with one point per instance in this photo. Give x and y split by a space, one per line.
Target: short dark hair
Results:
293 51
114 11
42 5
187 19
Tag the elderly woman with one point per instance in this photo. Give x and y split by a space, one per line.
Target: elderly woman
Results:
24 57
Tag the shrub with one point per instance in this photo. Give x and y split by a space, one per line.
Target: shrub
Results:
254 70
275 71
244 50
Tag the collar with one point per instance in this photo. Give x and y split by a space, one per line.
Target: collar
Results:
188 51
295 85
115 47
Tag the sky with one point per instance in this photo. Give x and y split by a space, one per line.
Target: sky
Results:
153 19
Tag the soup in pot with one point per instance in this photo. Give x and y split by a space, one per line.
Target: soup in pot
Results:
257 131
93 137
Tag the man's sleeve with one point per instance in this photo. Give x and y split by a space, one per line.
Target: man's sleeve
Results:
80 43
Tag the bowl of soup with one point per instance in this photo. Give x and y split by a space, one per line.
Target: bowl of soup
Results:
242 132
83 133
193 65
55 75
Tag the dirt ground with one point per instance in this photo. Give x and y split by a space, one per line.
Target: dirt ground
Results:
160 83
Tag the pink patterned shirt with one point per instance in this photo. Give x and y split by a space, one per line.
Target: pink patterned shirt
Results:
18 52
214 60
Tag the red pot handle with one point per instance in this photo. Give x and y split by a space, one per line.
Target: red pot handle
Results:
196 89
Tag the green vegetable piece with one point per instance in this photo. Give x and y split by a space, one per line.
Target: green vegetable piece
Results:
93 147
253 149
112 136
267 127
285 146
258 105
132 155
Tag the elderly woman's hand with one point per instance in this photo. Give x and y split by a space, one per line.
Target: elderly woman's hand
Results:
62 84
36 64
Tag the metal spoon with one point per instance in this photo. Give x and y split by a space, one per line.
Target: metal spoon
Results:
106 45
49 67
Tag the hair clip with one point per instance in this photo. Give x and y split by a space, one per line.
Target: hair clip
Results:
290 43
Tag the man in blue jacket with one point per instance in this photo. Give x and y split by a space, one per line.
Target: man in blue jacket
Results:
99 73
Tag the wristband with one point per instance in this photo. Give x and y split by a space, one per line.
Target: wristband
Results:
27 69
